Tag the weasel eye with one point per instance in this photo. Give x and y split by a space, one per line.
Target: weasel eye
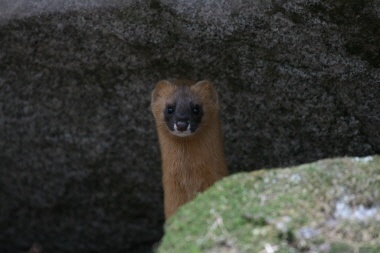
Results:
170 109
196 110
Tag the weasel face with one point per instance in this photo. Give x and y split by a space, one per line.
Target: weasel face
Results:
182 108
183 115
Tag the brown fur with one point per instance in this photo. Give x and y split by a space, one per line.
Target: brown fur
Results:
189 164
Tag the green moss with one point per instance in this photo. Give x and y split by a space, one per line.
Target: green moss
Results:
291 210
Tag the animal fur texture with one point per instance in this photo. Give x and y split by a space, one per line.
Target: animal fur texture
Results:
190 136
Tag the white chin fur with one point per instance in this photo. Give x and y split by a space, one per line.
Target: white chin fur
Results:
183 133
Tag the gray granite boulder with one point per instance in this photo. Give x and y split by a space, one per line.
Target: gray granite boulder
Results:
79 160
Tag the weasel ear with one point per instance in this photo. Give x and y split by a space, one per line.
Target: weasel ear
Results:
207 90
160 88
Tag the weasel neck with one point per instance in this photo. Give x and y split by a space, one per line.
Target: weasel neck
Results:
200 150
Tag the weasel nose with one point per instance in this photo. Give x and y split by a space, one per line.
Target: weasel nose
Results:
182 125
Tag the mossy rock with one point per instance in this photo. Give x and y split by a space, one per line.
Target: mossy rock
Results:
327 206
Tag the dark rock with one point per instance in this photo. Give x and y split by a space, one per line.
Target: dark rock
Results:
79 160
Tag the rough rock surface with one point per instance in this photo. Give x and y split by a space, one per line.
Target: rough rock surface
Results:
329 206
79 160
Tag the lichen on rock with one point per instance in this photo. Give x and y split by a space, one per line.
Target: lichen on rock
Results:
298 82
333 207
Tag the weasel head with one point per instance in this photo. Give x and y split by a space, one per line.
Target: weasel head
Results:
183 108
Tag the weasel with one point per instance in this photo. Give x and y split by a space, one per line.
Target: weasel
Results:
190 136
